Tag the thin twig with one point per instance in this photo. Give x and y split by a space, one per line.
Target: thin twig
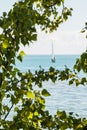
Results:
8 112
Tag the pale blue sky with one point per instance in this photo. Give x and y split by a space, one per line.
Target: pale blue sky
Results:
68 39
79 14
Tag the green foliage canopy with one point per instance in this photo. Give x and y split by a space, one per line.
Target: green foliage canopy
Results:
17 89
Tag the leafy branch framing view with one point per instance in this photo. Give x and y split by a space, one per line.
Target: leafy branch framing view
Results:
17 91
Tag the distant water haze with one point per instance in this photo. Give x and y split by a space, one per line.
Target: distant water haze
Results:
64 43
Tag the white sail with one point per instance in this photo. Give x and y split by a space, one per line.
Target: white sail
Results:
53 56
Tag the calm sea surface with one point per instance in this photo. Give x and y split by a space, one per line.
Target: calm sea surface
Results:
33 62
63 96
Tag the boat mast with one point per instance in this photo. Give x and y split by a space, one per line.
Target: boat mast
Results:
53 57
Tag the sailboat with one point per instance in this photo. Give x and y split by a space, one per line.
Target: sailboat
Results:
53 57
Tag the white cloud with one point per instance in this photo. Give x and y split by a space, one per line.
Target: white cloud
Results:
65 43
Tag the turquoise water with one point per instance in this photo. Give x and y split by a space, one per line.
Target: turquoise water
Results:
63 96
33 62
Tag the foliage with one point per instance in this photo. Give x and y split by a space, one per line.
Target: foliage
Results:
22 106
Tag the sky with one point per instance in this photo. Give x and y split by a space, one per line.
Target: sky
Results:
67 39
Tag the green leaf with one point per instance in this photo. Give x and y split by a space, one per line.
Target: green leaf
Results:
5 45
71 82
30 115
36 113
30 95
41 100
16 109
4 14
34 37
82 31
19 58
77 82
45 93
79 127
22 53
61 114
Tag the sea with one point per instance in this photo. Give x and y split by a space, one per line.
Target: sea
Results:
69 98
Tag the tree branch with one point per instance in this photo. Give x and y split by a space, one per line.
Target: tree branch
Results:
8 112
